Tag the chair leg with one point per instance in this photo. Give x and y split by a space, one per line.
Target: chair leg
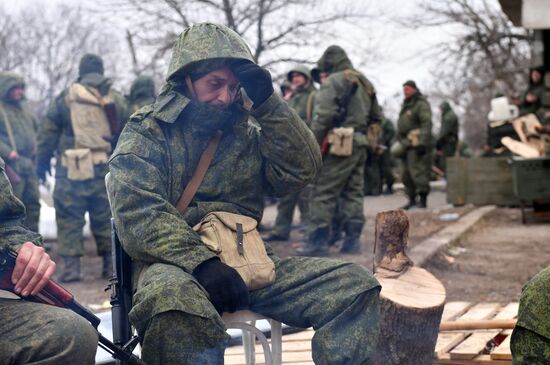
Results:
276 342
249 344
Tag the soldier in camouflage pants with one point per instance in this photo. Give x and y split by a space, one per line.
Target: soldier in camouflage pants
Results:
181 286
32 332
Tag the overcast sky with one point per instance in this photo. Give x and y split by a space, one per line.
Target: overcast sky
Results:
398 49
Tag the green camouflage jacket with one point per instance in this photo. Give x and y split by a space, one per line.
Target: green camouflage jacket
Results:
56 131
363 107
12 214
23 126
302 99
160 147
534 305
415 113
388 133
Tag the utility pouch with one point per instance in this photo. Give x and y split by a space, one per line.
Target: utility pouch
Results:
414 137
79 163
374 131
341 141
237 242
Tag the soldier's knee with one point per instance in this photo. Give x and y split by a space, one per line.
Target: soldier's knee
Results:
359 278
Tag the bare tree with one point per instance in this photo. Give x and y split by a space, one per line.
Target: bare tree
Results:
45 46
489 55
277 31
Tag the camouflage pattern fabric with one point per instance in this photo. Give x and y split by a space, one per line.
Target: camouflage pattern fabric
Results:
341 176
155 159
447 141
72 199
34 333
300 101
530 343
23 126
415 173
31 332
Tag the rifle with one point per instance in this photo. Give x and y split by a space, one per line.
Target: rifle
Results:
341 114
55 294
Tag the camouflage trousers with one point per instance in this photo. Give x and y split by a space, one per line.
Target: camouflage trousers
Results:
32 333
72 199
27 191
339 300
285 211
415 172
529 347
340 181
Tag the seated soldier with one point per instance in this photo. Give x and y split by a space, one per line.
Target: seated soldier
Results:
34 333
182 287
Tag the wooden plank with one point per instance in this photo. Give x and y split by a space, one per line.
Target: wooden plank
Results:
454 309
503 352
473 345
446 342
478 360
508 312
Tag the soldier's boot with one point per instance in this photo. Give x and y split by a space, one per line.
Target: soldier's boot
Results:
335 234
423 203
71 269
411 204
316 244
352 244
107 269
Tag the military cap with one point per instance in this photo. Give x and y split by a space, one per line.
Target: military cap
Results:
90 63
410 83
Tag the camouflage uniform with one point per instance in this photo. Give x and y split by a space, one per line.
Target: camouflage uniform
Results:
32 332
23 126
340 177
416 168
447 141
142 92
157 154
302 102
73 198
378 168
530 343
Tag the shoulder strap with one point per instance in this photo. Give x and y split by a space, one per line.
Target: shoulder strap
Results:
309 106
8 128
198 175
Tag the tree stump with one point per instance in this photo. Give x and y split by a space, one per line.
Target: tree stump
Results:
411 300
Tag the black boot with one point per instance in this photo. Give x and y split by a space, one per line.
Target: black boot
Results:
423 201
316 244
71 271
410 204
335 234
107 269
352 244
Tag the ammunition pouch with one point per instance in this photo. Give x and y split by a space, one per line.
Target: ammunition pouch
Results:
341 141
80 163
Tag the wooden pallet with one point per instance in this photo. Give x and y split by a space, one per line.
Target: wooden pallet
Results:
470 347
453 347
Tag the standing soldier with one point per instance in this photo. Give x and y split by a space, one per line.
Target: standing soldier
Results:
345 104
448 135
81 125
142 92
18 145
414 134
301 101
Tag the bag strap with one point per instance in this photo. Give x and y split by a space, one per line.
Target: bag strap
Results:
8 128
309 106
200 171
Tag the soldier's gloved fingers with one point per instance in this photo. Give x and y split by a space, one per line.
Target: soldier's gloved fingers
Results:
30 265
38 275
45 278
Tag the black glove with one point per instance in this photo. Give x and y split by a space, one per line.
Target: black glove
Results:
227 290
421 150
41 170
255 80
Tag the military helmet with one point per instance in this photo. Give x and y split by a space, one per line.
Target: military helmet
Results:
397 150
90 63
299 69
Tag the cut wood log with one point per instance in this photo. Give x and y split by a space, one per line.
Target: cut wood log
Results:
411 300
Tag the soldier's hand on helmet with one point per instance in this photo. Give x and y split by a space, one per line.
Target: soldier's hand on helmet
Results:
41 170
33 269
255 80
226 288
421 150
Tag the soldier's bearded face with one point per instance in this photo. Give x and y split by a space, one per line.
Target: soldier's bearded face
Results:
17 93
408 91
218 88
298 80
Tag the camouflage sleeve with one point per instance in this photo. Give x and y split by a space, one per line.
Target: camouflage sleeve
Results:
12 213
150 228
425 121
449 123
326 107
291 154
50 132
